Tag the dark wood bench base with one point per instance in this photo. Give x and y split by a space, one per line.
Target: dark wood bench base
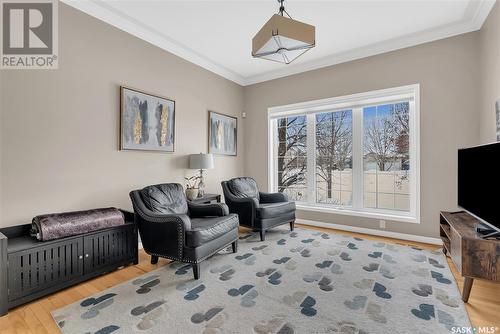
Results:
30 269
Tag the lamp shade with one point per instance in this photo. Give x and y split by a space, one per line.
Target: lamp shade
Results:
283 40
201 161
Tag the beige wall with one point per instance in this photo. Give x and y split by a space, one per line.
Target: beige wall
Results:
489 39
447 71
60 128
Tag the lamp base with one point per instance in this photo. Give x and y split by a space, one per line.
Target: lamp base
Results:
201 190
201 185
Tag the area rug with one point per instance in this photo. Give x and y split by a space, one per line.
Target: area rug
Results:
295 282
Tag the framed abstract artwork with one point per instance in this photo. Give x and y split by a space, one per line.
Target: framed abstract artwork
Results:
147 121
222 134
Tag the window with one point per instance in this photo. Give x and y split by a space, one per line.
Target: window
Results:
355 154
386 156
334 158
292 157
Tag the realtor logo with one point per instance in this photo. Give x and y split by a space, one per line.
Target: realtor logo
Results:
29 34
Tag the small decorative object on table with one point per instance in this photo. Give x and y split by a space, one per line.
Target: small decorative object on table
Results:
207 199
201 161
191 189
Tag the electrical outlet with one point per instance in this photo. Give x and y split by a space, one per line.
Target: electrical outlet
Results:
382 223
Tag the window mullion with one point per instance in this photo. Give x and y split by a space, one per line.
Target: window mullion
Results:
311 158
413 159
357 158
273 185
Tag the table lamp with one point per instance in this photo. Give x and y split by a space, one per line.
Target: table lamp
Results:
201 161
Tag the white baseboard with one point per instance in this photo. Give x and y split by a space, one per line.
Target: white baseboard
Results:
389 234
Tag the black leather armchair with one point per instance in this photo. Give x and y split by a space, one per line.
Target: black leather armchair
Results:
173 228
257 210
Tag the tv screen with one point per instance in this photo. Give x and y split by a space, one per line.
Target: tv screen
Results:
479 182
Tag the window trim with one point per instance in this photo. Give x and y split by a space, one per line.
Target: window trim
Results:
409 93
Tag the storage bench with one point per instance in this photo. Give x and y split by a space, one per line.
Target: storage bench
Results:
30 269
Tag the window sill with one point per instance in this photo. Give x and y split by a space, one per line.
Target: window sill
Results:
354 213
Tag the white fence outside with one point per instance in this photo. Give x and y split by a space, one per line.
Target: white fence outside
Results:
382 190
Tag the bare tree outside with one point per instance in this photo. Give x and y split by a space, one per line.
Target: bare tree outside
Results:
387 136
292 135
386 155
401 113
380 140
333 149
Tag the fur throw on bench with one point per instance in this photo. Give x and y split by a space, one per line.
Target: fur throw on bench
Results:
60 225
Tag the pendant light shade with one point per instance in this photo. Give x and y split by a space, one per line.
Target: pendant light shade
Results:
283 39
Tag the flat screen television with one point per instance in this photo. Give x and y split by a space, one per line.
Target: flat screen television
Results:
479 183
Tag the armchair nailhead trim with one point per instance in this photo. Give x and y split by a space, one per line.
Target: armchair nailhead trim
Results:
176 220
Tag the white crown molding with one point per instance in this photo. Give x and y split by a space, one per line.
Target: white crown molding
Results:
473 19
481 13
103 12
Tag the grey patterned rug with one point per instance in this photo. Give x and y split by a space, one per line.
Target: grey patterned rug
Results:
294 282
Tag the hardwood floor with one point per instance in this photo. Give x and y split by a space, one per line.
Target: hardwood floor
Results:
483 306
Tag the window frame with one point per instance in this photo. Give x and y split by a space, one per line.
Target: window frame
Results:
356 103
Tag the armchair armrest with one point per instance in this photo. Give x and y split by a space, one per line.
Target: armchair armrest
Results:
208 210
272 197
243 206
161 234
242 201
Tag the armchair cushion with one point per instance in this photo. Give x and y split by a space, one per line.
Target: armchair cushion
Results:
244 187
208 210
271 210
165 198
204 230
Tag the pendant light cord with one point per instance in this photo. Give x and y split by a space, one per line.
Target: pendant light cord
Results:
282 9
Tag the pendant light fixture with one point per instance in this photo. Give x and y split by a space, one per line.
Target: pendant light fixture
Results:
283 39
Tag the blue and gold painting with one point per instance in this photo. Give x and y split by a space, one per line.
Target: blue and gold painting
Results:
147 121
222 134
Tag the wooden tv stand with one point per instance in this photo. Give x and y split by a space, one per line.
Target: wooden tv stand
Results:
473 256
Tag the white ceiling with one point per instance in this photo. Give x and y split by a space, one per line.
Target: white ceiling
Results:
217 35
